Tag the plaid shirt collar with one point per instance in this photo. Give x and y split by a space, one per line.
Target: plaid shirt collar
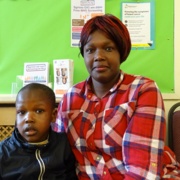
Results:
88 90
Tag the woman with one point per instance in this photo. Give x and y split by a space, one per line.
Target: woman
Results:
115 121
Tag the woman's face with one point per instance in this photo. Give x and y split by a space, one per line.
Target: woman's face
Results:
102 58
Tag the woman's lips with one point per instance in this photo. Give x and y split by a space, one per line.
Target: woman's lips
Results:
100 68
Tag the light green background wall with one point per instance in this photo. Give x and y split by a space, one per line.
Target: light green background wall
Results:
40 30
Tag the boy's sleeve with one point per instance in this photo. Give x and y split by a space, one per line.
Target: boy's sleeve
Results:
70 162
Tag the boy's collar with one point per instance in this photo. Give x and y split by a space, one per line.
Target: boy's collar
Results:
41 143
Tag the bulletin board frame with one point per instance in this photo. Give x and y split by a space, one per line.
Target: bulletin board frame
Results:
176 94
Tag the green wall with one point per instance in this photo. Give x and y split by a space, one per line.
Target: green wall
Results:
40 31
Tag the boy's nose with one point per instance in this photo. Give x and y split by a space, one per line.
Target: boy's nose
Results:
29 117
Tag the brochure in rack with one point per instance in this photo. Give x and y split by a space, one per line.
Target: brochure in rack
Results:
63 75
37 72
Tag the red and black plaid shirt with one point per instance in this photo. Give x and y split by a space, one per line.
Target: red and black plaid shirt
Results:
120 136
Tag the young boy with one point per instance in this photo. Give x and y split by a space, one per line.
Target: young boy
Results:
34 151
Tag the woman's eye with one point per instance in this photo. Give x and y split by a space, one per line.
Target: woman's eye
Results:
89 50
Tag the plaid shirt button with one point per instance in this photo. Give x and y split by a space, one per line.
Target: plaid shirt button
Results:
154 164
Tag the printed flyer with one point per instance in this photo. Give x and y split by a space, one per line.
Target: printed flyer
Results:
37 72
63 75
139 19
81 11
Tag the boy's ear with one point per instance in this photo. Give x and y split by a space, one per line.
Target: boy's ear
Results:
54 115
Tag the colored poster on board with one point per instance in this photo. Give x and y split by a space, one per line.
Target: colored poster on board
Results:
81 11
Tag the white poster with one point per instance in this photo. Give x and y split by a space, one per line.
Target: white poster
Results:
81 11
138 18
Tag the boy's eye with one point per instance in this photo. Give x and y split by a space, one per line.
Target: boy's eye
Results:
109 48
21 112
38 111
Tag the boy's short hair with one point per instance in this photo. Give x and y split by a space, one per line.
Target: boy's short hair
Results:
50 95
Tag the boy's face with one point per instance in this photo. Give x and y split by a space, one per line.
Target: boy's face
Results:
34 115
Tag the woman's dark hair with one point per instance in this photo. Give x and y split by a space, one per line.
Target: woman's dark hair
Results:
113 28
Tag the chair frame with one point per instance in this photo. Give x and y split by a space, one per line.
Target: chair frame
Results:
170 124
